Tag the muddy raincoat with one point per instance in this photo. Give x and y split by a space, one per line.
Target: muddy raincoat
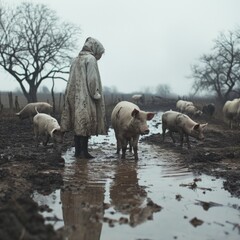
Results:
84 107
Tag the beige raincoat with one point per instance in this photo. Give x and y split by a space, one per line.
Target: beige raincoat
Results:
84 107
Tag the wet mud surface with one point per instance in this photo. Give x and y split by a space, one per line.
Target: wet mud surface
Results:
25 169
218 155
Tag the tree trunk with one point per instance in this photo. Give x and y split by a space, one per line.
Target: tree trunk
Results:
31 96
53 98
59 105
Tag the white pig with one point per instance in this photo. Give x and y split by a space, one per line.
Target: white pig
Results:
129 122
29 110
231 112
45 125
182 104
183 124
191 110
137 98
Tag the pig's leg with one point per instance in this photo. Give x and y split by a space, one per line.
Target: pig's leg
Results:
36 134
130 141
135 147
171 135
118 146
163 132
46 141
30 118
118 143
187 140
181 138
57 146
54 145
124 143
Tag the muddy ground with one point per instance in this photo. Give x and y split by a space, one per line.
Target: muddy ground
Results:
25 168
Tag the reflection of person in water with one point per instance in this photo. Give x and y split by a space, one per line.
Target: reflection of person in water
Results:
83 204
127 196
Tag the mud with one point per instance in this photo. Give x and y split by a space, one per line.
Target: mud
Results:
25 168
218 155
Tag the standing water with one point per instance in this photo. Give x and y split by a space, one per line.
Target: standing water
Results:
156 197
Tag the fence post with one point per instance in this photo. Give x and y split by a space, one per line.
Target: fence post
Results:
1 105
10 99
63 100
17 107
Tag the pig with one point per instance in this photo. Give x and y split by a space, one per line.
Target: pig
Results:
191 110
129 122
182 104
29 110
208 109
46 125
137 98
183 124
231 111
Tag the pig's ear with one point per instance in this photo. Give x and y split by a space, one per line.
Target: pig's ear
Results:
204 125
196 127
150 115
135 112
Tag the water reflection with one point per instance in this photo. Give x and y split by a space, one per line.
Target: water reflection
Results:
127 196
82 203
125 191
110 198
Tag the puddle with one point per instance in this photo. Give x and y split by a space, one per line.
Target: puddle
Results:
154 198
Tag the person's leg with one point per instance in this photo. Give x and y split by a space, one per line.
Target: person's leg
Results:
85 148
78 145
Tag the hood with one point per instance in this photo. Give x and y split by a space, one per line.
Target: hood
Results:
93 46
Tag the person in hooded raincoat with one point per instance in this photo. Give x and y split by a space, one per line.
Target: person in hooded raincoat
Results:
84 107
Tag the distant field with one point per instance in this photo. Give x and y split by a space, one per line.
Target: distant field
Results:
110 99
150 102
42 97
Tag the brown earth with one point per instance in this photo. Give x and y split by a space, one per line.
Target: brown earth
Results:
25 168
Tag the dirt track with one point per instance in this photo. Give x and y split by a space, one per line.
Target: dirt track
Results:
25 168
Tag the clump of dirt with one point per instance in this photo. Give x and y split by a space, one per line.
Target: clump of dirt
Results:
19 219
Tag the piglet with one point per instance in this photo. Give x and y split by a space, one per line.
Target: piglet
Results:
129 122
183 124
29 110
45 125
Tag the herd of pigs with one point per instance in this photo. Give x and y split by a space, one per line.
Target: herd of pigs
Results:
129 122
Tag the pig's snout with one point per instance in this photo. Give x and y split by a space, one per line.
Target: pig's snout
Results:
145 132
201 138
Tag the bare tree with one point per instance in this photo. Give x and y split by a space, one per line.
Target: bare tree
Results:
35 46
163 90
219 72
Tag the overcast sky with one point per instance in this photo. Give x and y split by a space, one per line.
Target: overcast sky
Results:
147 42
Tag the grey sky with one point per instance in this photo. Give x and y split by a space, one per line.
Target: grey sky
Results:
147 42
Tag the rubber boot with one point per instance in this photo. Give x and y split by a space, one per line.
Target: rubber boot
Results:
85 148
78 145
